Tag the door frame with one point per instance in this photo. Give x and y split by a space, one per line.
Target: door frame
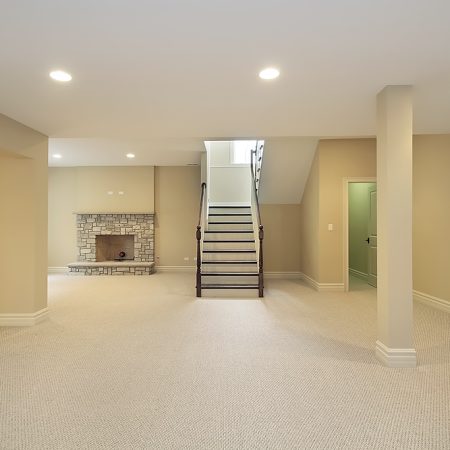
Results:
345 263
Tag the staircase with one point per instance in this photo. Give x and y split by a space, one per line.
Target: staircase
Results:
229 251
230 241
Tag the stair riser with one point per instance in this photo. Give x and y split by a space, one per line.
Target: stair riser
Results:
229 226
228 246
229 268
229 210
230 279
228 256
229 218
223 236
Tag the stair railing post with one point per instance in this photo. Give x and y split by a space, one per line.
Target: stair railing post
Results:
261 262
199 263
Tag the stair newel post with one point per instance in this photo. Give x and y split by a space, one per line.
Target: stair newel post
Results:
261 262
199 262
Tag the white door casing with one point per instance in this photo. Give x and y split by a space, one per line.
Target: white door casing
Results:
372 239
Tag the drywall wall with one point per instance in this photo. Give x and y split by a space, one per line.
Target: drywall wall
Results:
322 204
358 226
177 201
74 190
114 189
23 218
62 233
285 168
281 243
339 158
228 183
431 215
309 223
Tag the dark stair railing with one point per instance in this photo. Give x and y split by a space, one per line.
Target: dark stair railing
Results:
199 233
255 165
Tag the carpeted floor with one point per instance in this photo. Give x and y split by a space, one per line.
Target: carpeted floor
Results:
139 363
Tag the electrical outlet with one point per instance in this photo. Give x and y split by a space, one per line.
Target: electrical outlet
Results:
330 227
186 258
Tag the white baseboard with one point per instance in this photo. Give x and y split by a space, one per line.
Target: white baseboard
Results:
395 357
322 287
358 274
435 302
283 275
23 319
175 268
58 270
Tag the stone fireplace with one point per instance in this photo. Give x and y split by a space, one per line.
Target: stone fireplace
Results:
113 244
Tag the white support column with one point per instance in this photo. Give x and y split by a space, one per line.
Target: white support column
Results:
395 347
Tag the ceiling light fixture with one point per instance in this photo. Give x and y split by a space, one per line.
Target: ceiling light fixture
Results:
270 73
130 155
57 156
60 75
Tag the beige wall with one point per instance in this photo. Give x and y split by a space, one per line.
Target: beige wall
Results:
85 190
177 201
431 215
23 218
62 234
339 158
309 223
322 204
93 185
281 237
174 192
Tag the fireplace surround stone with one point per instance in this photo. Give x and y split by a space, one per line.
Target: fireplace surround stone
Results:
89 226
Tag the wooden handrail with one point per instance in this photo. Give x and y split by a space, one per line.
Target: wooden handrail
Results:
201 203
198 236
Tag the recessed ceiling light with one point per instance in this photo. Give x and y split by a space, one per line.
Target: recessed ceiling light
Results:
270 73
130 155
57 156
60 75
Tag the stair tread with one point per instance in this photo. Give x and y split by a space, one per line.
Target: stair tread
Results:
236 241
229 261
230 223
228 231
230 214
230 286
230 274
229 206
230 251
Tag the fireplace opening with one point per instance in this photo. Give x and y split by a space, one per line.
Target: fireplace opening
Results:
114 247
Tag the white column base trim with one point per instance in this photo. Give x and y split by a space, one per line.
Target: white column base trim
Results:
175 268
395 357
323 287
283 275
58 270
435 302
358 274
23 319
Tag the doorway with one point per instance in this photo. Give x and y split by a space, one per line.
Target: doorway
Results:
360 234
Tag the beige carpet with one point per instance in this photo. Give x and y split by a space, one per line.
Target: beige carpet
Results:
139 363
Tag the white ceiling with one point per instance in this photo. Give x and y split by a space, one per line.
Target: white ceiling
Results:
112 152
188 69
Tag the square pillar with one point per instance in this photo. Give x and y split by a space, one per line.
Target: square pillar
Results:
395 347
